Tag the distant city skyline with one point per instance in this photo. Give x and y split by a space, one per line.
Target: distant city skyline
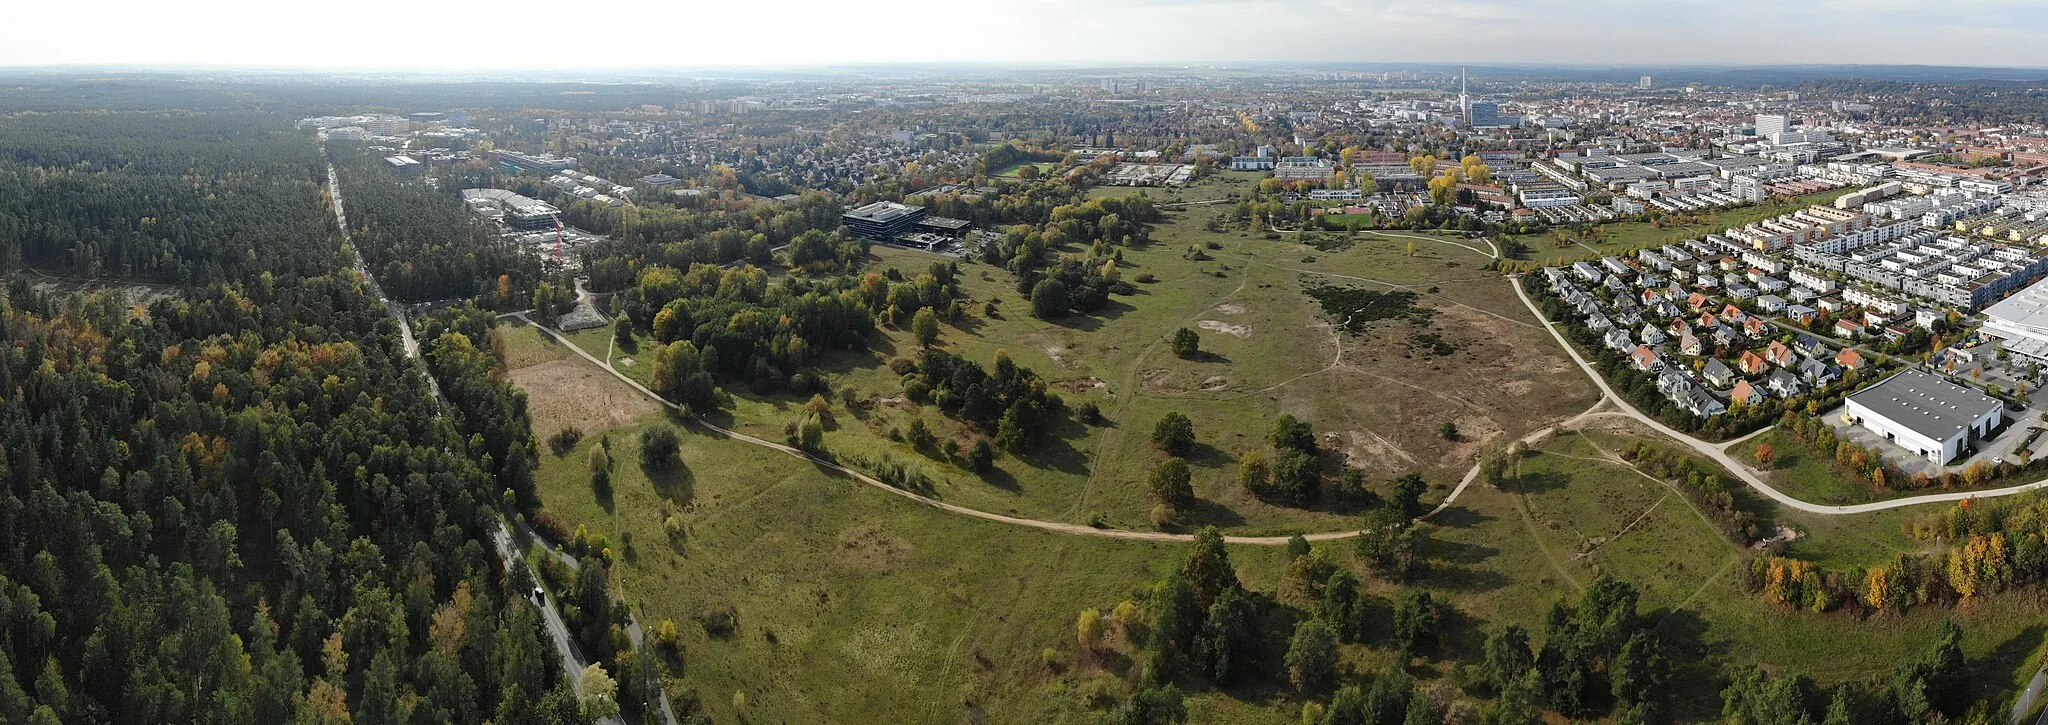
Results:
528 34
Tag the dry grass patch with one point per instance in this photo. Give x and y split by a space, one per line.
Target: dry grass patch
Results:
562 393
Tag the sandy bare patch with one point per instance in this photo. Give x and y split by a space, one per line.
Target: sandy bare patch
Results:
1080 385
1215 382
1371 450
625 362
1230 308
1053 351
1225 328
1160 381
563 393
1473 433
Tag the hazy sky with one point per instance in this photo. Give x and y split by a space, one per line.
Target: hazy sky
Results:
526 34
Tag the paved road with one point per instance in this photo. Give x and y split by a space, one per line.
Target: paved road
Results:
572 661
1719 452
2025 702
412 346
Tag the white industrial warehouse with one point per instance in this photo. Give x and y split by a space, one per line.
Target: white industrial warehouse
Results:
1925 414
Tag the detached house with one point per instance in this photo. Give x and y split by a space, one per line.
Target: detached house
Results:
1850 359
1818 374
1778 354
1717 372
1752 363
1690 344
1847 328
1652 336
1784 384
1807 345
1618 341
1646 359
1745 394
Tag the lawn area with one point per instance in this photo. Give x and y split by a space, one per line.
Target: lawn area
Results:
1812 476
1624 237
1804 473
1010 172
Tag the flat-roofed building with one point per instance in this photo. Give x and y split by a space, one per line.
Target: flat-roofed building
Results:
882 220
1925 414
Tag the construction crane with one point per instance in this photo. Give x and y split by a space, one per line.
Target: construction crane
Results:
561 244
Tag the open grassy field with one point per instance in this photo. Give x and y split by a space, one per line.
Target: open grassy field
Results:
1268 349
1623 237
855 605
1010 171
1212 186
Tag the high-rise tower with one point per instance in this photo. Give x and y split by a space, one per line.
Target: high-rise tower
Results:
1464 101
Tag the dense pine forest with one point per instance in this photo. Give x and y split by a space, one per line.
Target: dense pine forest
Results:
239 504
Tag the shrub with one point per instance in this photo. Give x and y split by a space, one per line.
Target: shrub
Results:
1174 434
659 448
981 457
1186 343
565 440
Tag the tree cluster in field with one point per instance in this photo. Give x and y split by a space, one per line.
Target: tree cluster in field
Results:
1703 485
658 231
1598 659
1010 403
1201 627
1984 547
1062 284
196 199
714 321
1929 689
488 407
1292 473
423 244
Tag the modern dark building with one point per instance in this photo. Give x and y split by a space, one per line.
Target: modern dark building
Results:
1484 114
882 220
944 225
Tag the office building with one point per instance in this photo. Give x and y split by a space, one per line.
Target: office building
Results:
516 162
1769 125
882 220
1644 83
1484 115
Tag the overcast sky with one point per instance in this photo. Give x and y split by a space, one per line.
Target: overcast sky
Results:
526 34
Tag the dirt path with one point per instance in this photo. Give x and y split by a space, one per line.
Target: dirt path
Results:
1054 526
